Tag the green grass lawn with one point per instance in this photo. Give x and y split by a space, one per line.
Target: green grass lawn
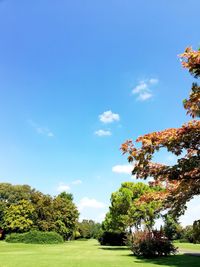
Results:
82 254
188 246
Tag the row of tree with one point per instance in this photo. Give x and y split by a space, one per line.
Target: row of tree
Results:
23 208
174 231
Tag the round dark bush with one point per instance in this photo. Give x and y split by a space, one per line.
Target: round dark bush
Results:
112 239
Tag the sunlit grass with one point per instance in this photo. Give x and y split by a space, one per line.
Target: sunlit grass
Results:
82 254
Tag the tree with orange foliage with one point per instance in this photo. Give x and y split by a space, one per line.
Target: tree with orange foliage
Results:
182 180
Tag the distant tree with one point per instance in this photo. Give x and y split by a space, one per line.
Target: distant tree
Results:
46 213
89 229
188 233
196 231
172 228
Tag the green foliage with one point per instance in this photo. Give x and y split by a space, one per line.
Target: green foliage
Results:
113 239
23 208
196 231
172 228
65 195
89 229
127 210
35 237
65 215
18 217
151 244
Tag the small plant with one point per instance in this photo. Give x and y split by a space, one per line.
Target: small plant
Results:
35 237
151 244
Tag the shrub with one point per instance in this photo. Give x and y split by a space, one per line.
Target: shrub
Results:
35 237
112 239
151 244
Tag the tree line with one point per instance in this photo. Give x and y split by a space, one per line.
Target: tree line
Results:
23 209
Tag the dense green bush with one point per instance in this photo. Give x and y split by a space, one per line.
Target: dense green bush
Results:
112 239
151 244
35 237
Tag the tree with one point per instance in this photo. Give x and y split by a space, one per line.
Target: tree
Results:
18 217
65 215
44 213
89 229
23 208
182 180
172 228
128 211
196 231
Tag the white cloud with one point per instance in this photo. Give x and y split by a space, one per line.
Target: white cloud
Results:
50 134
40 129
109 116
77 182
153 81
90 203
144 96
103 133
142 89
127 169
63 187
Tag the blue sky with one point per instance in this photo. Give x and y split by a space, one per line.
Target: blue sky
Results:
77 78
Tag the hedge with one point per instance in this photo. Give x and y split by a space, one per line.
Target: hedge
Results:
35 237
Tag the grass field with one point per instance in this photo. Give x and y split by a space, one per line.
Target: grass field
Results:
188 246
82 254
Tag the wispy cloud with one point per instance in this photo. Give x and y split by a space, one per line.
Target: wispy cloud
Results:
153 81
62 187
109 117
41 129
90 203
143 89
127 169
77 182
103 133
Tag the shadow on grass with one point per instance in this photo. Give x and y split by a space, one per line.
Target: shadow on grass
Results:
114 248
172 261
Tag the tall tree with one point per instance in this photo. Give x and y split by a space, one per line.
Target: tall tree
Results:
127 211
65 215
